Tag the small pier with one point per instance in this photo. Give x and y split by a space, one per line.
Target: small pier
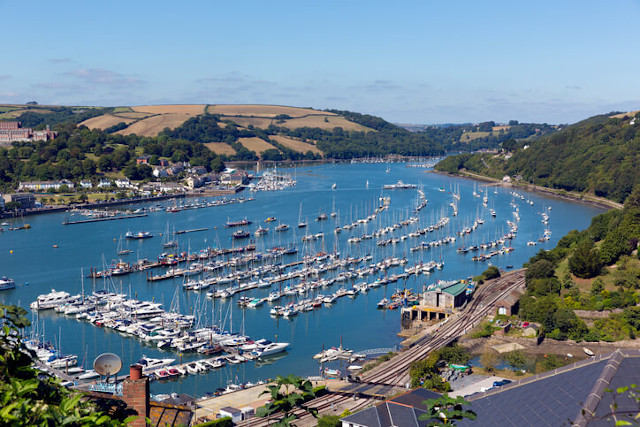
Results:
107 218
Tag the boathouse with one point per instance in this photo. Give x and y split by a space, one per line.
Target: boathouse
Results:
438 302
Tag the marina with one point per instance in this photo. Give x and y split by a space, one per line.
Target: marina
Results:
298 286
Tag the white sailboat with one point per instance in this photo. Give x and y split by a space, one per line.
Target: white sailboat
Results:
121 249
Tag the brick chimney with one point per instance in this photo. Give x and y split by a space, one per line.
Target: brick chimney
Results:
135 393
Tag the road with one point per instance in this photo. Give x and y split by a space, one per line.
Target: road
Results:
395 372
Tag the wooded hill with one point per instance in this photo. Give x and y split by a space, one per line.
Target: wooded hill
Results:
270 132
597 156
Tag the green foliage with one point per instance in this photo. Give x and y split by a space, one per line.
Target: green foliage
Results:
26 398
446 411
541 269
329 421
456 354
599 154
220 422
516 359
284 402
485 331
585 261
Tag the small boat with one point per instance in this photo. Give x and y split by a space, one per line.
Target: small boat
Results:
261 231
241 234
270 219
282 227
237 223
138 235
6 283
334 186
588 352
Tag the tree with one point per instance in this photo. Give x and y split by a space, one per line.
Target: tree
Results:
585 261
446 411
540 269
516 359
285 402
489 360
27 397
597 287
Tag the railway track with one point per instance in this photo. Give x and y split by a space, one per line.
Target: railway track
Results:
395 372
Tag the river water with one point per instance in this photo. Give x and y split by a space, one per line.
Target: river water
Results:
28 256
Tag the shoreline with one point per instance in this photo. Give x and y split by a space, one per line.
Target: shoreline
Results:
588 200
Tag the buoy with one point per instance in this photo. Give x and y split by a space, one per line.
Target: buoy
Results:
11 251
55 246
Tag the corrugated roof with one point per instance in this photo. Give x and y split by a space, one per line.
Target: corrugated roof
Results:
456 289
565 396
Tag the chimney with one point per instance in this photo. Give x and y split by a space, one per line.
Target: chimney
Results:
135 393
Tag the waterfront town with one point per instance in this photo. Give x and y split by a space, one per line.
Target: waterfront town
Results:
338 214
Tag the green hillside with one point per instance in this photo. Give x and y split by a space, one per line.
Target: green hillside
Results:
596 156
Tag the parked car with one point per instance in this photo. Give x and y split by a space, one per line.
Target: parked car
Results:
501 383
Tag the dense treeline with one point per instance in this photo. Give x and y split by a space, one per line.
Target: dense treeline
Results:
597 155
209 128
610 239
80 153
33 119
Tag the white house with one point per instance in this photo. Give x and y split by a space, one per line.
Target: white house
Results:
85 183
104 183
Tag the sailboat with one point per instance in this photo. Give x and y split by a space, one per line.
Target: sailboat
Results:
121 249
167 241
301 224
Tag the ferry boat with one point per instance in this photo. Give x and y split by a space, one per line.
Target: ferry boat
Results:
138 235
51 300
399 186
237 223
6 283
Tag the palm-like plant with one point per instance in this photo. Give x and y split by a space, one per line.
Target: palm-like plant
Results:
287 394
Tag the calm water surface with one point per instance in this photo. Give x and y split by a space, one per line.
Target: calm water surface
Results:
356 321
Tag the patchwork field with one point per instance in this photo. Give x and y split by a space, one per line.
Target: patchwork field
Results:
318 121
192 109
220 148
262 110
103 122
255 144
153 125
295 145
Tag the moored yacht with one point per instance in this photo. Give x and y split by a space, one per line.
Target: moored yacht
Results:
51 300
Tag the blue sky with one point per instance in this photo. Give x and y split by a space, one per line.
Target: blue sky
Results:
406 61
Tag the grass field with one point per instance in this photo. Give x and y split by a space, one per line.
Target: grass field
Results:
133 115
152 126
220 148
194 110
470 136
261 110
295 145
318 121
258 122
122 109
629 114
255 144
103 122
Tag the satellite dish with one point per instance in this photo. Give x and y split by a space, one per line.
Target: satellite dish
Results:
107 364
